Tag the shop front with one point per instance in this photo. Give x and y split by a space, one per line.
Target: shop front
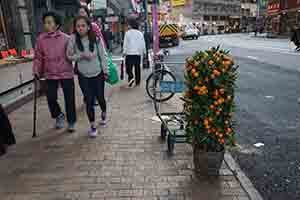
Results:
15 27
273 22
3 32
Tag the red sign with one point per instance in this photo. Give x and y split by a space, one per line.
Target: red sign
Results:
273 8
293 4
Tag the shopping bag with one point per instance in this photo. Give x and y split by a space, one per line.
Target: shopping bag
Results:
113 77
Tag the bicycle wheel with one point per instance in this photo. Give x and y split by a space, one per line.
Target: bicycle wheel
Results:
153 83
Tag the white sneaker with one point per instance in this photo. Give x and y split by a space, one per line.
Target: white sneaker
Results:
131 83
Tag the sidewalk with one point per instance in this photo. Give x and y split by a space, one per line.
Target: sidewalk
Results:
127 161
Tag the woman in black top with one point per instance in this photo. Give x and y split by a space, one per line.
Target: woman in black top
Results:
6 134
296 38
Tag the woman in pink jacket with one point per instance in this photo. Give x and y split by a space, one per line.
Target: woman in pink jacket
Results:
51 62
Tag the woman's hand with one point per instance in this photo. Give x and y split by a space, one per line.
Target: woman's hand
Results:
88 56
105 75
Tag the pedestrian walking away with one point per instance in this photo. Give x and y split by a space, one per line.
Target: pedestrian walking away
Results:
133 49
7 137
296 38
89 53
51 62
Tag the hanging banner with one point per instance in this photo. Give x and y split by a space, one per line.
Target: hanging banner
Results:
176 3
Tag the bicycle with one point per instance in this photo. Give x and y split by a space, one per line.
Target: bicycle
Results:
160 73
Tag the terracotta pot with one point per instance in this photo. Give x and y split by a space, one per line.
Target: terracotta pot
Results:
207 163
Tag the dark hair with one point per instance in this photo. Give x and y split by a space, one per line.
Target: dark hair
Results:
86 9
133 23
91 34
56 17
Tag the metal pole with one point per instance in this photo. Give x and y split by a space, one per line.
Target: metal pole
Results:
146 34
155 28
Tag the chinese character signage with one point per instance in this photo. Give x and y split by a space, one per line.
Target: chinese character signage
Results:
176 3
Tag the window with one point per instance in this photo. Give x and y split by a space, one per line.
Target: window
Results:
206 18
215 18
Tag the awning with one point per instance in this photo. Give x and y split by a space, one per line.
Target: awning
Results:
124 7
66 2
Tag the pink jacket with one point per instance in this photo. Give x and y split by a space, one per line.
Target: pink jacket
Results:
50 60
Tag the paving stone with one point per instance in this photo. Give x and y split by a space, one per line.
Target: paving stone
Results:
127 161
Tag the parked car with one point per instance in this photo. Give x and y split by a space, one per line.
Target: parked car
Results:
190 33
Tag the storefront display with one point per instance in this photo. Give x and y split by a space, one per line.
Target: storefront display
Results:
3 39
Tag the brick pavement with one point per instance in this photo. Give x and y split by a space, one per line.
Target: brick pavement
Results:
127 161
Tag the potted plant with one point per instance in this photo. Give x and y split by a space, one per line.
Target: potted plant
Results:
209 106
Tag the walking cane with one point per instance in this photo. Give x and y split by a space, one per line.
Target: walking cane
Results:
35 105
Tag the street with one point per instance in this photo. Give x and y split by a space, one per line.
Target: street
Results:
268 109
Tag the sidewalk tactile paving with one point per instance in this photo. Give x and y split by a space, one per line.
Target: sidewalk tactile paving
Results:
126 161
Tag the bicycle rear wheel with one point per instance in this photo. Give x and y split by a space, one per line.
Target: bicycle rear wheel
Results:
153 84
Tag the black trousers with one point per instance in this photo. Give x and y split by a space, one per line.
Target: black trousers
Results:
133 61
69 96
93 88
6 133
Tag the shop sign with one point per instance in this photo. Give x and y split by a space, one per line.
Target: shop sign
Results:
273 8
176 3
293 3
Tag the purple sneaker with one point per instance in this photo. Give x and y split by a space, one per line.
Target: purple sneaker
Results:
103 121
93 132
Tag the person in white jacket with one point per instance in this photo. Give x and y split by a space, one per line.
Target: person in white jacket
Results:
133 49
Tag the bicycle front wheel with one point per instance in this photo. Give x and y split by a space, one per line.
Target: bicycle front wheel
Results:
153 84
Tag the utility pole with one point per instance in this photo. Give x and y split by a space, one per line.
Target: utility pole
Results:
146 64
155 27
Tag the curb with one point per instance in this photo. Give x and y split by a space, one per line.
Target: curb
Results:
242 178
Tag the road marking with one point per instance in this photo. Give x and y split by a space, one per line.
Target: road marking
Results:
259 144
269 97
252 57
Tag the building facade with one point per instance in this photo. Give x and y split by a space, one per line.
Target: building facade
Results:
283 16
15 24
218 15
249 12
21 20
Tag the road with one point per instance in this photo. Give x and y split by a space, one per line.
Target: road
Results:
268 100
